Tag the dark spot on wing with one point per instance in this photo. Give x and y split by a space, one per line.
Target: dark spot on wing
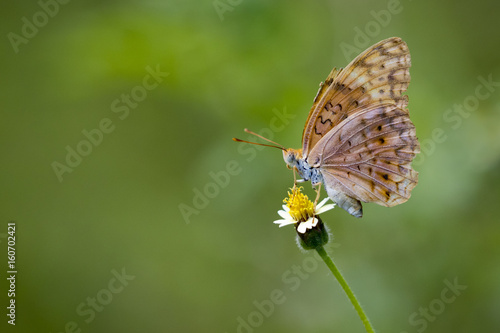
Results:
390 77
325 121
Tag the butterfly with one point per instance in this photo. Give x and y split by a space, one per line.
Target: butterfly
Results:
358 140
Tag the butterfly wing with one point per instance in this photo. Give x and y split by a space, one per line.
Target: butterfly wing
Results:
379 75
367 157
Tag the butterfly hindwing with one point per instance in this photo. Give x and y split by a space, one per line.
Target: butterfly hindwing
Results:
368 155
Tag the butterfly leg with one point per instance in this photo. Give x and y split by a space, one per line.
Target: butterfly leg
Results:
295 180
318 192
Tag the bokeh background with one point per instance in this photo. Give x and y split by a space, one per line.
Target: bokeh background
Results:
217 266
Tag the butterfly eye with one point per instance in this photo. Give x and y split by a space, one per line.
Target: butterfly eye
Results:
289 157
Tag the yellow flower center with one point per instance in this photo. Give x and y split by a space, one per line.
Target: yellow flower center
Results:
301 208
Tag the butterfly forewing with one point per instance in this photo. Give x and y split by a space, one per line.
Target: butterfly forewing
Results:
380 75
323 87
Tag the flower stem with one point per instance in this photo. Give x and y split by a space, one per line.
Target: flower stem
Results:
328 261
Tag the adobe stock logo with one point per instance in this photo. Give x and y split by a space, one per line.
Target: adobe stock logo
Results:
425 315
94 137
220 179
372 29
30 28
291 279
454 116
93 306
222 6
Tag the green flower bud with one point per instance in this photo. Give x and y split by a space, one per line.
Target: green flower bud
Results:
312 233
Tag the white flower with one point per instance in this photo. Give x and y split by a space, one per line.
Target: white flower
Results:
287 218
321 208
299 209
309 224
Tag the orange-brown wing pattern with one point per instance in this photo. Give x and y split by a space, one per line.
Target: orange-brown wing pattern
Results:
323 87
379 75
368 156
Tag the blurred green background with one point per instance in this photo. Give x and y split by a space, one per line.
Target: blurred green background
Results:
222 66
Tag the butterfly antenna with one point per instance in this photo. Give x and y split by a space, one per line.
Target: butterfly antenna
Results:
258 144
276 145
263 138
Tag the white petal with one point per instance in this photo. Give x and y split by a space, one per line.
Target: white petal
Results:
283 223
325 208
309 224
283 214
318 206
302 228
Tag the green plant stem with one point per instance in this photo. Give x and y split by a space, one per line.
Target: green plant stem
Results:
328 261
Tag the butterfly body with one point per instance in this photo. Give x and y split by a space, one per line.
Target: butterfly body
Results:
313 173
358 139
